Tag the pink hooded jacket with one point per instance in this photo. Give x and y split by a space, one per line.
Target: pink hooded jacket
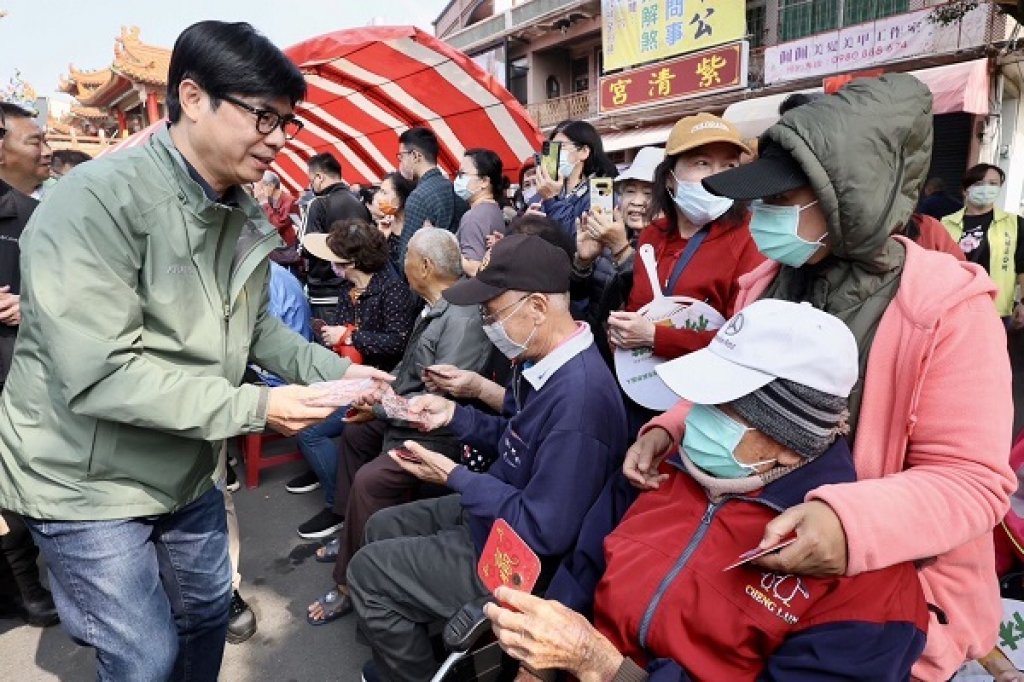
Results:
931 448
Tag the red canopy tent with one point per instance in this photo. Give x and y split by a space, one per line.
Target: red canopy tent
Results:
367 85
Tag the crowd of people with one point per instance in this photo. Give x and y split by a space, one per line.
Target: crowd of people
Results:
849 417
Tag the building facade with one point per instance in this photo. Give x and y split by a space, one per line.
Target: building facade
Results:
551 56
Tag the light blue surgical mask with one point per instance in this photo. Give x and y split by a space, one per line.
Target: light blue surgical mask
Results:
710 442
696 203
774 229
565 166
461 187
982 195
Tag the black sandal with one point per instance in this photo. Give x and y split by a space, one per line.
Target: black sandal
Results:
335 605
328 552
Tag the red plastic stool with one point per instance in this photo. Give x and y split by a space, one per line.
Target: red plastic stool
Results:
255 461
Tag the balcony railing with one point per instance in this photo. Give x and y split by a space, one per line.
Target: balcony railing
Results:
579 106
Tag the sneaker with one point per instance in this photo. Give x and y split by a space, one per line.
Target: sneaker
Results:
324 524
241 620
232 480
370 672
303 483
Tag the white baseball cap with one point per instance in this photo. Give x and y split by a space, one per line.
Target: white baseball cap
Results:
768 340
644 163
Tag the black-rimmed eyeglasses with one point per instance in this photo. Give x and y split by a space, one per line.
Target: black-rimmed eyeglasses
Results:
267 120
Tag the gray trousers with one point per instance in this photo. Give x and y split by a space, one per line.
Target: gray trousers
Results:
418 567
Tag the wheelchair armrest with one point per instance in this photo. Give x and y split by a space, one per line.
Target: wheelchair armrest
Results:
464 628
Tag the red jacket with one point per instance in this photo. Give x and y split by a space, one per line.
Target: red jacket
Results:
664 594
727 252
280 217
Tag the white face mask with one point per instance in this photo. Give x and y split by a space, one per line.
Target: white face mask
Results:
699 205
502 341
982 195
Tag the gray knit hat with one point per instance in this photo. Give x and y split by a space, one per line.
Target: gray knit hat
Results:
801 418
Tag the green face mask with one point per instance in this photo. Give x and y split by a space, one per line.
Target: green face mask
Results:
710 443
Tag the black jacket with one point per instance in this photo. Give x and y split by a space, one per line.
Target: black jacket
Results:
335 203
15 209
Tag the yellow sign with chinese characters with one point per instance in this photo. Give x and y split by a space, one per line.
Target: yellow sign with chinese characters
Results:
640 31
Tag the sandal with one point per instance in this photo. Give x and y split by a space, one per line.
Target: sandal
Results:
328 552
335 605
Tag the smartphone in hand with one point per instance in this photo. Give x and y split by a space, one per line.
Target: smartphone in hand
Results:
601 196
550 152
408 455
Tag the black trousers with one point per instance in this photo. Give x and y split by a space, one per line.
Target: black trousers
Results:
418 567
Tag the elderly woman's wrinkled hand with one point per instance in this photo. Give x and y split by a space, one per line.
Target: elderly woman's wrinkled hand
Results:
545 635
645 456
820 547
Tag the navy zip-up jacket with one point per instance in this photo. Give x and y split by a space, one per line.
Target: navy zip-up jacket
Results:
556 447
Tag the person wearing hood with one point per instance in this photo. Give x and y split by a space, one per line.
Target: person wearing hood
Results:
482 185
930 434
991 237
700 243
764 428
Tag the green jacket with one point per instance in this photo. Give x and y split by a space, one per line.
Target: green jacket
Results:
141 302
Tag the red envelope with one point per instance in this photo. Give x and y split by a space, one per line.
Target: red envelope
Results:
507 560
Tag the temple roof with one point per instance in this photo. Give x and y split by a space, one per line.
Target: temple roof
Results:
90 112
134 62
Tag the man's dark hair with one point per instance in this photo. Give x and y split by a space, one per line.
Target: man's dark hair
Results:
798 99
361 243
546 228
977 173
9 110
422 140
582 134
231 59
488 165
69 158
325 163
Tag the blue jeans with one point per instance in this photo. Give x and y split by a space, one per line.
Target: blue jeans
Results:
150 594
321 452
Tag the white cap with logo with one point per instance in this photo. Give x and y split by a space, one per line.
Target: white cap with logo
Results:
769 339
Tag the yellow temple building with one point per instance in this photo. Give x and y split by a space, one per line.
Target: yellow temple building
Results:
113 102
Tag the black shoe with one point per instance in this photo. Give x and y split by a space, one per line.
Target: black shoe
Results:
324 524
232 481
370 672
303 483
37 610
241 620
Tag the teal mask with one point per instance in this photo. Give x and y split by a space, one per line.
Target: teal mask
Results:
774 231
711 439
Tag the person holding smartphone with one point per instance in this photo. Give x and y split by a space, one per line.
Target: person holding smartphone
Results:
565 196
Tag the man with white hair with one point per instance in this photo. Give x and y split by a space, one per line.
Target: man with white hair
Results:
445 334
279 205
560 436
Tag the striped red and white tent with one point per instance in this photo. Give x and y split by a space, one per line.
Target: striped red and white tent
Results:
367 85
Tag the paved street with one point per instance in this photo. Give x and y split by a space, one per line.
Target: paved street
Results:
279 578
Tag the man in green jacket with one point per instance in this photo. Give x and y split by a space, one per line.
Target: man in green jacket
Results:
144 295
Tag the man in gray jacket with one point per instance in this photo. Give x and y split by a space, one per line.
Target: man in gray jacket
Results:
445 334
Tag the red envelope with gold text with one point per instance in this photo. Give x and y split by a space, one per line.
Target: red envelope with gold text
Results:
507 560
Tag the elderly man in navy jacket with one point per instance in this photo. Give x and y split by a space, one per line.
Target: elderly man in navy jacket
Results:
559 437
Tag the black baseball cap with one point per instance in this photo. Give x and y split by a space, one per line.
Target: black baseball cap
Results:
519 262
775 171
